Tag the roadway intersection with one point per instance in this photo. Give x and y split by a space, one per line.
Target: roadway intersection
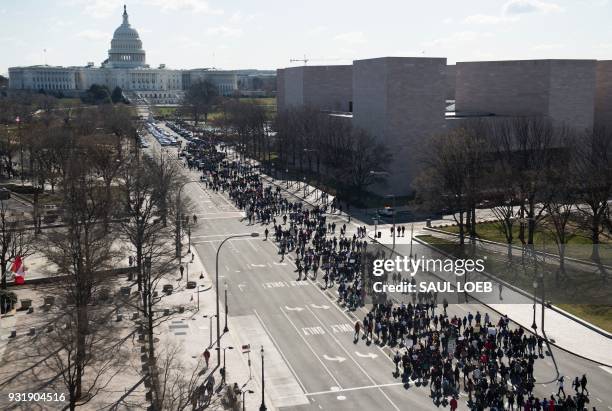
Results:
312 360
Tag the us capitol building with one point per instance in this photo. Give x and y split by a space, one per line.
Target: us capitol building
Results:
126 67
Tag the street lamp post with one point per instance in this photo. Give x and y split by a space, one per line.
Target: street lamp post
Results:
225 329
535 289
224 367
262 407
411 237
287 177
179 221
217 284
394 233
210 317
244 392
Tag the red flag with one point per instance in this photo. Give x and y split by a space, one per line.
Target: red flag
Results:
19 270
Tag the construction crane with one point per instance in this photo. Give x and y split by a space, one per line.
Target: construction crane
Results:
305 60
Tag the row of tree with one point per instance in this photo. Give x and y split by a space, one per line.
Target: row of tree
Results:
114 202
532 174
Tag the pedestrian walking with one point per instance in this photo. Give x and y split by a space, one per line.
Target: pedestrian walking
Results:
206 356
560 385
583 384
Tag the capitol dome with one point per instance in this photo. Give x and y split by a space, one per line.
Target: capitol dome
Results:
126 48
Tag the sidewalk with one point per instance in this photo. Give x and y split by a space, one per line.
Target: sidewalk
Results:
567 333
192 331
561 330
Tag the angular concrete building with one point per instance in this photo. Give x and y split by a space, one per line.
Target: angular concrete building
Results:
451 81
562 90
401 101
328 88
603 95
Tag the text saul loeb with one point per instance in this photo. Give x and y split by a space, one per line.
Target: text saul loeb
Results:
434 287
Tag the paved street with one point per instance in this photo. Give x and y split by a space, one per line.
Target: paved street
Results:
312 361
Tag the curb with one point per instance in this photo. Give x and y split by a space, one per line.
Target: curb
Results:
582 322
527 329
514 247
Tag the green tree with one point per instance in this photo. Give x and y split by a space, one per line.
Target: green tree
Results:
117 95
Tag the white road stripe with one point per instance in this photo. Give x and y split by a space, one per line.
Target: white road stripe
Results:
355 361
365 387
279 350
310 347
606 369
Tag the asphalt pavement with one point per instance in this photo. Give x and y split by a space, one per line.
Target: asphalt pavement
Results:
312 361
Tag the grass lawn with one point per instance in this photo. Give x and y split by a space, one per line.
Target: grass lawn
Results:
579 246
69 102
574 291
264 101
164 111
599 315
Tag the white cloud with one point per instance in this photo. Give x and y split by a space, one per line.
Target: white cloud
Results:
351 37
224 31
98 9
316 31
457 38
94 35
547 46
239 18
195 6
514 7
488 19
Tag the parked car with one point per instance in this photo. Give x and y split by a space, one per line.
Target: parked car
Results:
386 212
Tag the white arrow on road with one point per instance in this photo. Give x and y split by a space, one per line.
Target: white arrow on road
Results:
293 308
241 286
258 265
276 263
368 355
323 307
337 358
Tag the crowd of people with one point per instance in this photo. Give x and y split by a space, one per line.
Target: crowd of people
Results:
492 363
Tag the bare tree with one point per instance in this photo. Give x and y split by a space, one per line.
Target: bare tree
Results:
594 181
531 145
83 251
199 100
15 240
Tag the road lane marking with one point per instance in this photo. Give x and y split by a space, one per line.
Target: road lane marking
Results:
298 309
337 358
365 387
315 284
606 369
322 307
313 331
310 348
279 350
342 328
353 359
368 355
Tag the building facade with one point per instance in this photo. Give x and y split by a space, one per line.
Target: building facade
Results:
562 90
401 101
125 67
603 95
328 88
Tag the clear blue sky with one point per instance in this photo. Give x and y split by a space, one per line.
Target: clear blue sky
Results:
267 33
